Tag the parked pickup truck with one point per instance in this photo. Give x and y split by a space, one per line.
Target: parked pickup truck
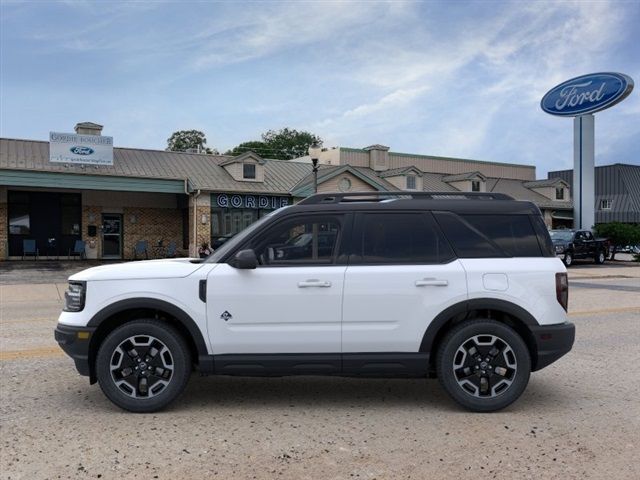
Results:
574 244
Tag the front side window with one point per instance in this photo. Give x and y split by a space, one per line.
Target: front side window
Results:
396 238
411 182
249 170
304 241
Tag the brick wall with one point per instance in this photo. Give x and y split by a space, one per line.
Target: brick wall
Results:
152 224
91 215
4 230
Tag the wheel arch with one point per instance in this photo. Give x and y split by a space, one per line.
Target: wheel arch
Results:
501 310
119 313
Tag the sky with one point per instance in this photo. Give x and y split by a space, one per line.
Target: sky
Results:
452 78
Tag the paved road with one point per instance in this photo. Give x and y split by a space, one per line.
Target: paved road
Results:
579 418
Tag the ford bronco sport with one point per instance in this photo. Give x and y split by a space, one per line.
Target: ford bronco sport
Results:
465 287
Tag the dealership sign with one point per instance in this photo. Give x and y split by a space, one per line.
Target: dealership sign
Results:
80 149
587 94
224 200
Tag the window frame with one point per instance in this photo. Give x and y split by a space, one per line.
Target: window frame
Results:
244 172
476 182
414 179
340 255
355 258
559 193
606 201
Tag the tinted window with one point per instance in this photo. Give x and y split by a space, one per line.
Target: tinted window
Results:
302 241
512 233
467 241
401 238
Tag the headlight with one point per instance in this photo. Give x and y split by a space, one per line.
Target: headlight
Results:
74 297
559 249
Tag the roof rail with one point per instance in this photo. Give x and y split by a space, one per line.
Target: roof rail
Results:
323 198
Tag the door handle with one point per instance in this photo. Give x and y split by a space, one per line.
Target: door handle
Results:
314 283
431 282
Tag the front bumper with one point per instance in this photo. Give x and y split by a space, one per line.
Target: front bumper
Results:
552 342
75 341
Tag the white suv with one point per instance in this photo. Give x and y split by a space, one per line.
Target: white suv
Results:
463 286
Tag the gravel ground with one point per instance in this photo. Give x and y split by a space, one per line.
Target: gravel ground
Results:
579 418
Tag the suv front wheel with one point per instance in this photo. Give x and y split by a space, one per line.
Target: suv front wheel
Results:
484 365
143 365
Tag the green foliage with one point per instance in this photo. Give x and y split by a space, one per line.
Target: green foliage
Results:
620 234
183 140
255 146
283 144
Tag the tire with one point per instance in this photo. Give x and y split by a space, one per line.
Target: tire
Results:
568 259
457 372
600 257
143 345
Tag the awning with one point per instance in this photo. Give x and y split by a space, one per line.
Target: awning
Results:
563 215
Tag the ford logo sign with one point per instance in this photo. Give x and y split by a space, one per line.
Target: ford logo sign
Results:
81 150
587 94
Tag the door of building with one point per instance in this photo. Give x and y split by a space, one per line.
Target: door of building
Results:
111 235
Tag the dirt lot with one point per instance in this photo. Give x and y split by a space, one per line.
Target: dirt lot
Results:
579 418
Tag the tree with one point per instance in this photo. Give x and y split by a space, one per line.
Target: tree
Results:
255 146
620 234
283 144
183 140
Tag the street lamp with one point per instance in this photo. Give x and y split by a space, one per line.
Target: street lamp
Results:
314 153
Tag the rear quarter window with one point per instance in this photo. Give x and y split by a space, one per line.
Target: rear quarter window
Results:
490 236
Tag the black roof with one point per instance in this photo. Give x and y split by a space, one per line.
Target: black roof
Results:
458 202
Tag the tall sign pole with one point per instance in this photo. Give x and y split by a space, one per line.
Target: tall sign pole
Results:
584 215
580 98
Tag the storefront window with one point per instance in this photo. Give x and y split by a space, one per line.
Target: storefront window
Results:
19 219
70 213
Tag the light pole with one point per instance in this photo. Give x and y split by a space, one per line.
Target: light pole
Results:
314 153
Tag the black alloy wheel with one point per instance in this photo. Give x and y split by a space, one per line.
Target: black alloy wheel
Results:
484 365
143 365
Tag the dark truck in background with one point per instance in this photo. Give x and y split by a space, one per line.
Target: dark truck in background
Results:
570 245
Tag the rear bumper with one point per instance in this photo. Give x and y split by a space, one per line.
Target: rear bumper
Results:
75 341
552 342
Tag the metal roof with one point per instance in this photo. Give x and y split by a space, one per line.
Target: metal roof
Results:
464 176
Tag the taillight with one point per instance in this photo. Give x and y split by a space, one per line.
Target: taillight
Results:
562 290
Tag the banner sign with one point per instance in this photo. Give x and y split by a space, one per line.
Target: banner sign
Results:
587 94
225 200
80 149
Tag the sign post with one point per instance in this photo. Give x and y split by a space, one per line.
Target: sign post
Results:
580 97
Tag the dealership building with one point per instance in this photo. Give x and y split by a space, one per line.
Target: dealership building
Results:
79 187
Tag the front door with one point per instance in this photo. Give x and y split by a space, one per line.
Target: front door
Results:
111 235
291 303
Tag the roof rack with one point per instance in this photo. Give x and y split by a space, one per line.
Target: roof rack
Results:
323 198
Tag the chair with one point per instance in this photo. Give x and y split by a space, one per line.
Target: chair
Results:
142 246
79 249
172 250
29 248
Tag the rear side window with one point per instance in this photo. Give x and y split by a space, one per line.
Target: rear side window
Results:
482 236
396 238
512 233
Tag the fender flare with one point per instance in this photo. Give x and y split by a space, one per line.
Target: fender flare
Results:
464 307
155 304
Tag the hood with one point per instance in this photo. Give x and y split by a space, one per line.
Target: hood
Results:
171 268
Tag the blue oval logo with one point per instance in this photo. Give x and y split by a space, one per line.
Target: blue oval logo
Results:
81 150
587 94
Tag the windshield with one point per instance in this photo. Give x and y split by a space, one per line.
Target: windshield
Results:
561 235
238 238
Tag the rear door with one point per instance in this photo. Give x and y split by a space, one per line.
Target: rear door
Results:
401 274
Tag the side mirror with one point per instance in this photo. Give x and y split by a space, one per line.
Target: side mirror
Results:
244 259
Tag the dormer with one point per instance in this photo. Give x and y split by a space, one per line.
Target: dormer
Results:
406 178
554 189
378 157
467 182
247 167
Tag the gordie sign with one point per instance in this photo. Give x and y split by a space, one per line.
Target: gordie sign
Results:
587 94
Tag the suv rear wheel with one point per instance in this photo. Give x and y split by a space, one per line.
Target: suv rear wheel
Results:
143 365
484 365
